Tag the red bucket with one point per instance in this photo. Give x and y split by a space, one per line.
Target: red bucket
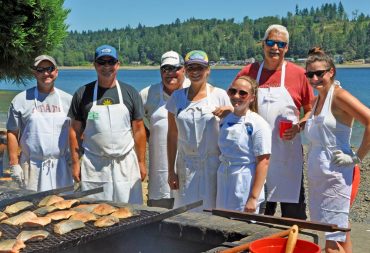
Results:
277 245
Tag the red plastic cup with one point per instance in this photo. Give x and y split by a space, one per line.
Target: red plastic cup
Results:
284 124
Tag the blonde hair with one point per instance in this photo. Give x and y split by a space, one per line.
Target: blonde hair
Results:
254 87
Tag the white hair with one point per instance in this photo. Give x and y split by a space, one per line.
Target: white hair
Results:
276 28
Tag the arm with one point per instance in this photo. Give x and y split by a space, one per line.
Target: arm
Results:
260 177
75 140
289 134
13 147
139 135
173 179
345 108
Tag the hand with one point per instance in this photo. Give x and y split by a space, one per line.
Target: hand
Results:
173 181
223 111
143 173
251 205
290 133
341 159
17 174
76 172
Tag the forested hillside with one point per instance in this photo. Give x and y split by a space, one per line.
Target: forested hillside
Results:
327 26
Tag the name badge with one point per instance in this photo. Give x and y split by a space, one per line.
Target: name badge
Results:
93 115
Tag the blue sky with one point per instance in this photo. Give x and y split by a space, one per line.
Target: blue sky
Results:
96 14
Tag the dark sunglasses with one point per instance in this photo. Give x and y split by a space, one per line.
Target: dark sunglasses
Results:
280 44
110 62
42 70
170 69
318 73
233 91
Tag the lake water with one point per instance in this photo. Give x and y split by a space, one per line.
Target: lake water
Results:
355 80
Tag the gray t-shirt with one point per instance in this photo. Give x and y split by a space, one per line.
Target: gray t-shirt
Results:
23 105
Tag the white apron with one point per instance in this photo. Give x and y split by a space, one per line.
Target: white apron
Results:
197 160
44 145
158 164
110 159
329 185
235 177
283 180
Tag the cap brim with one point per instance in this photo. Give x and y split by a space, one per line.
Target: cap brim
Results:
203 63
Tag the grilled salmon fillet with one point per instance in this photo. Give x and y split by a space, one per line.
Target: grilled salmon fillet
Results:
106 221
3 216
20 218
66 226
50 200
17 207
36 222
84 208
11 246
33 235
83 216
45 210
66 204
61 215
122 213
104 209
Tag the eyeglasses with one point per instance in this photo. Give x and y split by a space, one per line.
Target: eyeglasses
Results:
42 70
280 44
318 73
233 92
111 62
170 69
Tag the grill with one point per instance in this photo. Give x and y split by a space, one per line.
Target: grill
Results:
55 242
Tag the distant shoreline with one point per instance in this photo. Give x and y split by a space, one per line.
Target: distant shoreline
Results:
147 67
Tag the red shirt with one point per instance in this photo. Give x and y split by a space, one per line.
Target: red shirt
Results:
295 81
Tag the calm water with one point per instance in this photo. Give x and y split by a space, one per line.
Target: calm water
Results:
356 81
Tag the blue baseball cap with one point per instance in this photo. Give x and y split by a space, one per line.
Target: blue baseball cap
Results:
197 56
106 50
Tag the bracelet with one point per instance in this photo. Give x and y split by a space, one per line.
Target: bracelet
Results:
356 159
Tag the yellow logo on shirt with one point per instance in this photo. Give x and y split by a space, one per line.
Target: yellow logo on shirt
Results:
107 101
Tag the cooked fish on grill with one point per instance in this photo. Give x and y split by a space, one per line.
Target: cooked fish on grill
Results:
17 207
106 221
50 200
83 216
3 216
37 222
33 235
11 246
45 210
20 218
66 226
122 213
61 215
66 204
104 209
84 207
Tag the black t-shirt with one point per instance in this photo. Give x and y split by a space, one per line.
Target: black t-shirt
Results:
82 101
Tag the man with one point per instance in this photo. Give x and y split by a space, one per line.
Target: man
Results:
107 122
38 125
283 91
155 98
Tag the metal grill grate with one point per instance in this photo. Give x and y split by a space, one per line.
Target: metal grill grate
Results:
56 242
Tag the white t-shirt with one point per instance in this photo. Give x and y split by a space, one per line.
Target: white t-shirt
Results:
23 105
248 136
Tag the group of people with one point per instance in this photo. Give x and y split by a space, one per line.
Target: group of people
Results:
205 143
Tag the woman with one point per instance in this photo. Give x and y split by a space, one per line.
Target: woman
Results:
245 144
193 129
330 158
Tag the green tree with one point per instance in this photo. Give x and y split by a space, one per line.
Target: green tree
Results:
28 28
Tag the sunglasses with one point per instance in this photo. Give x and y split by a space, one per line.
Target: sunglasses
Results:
318 73
42 70
233 92
170 69
111 62
280 44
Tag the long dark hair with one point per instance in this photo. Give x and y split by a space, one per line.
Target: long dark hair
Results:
254 86
317 54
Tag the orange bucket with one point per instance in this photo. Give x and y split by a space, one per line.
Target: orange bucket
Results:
277 245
